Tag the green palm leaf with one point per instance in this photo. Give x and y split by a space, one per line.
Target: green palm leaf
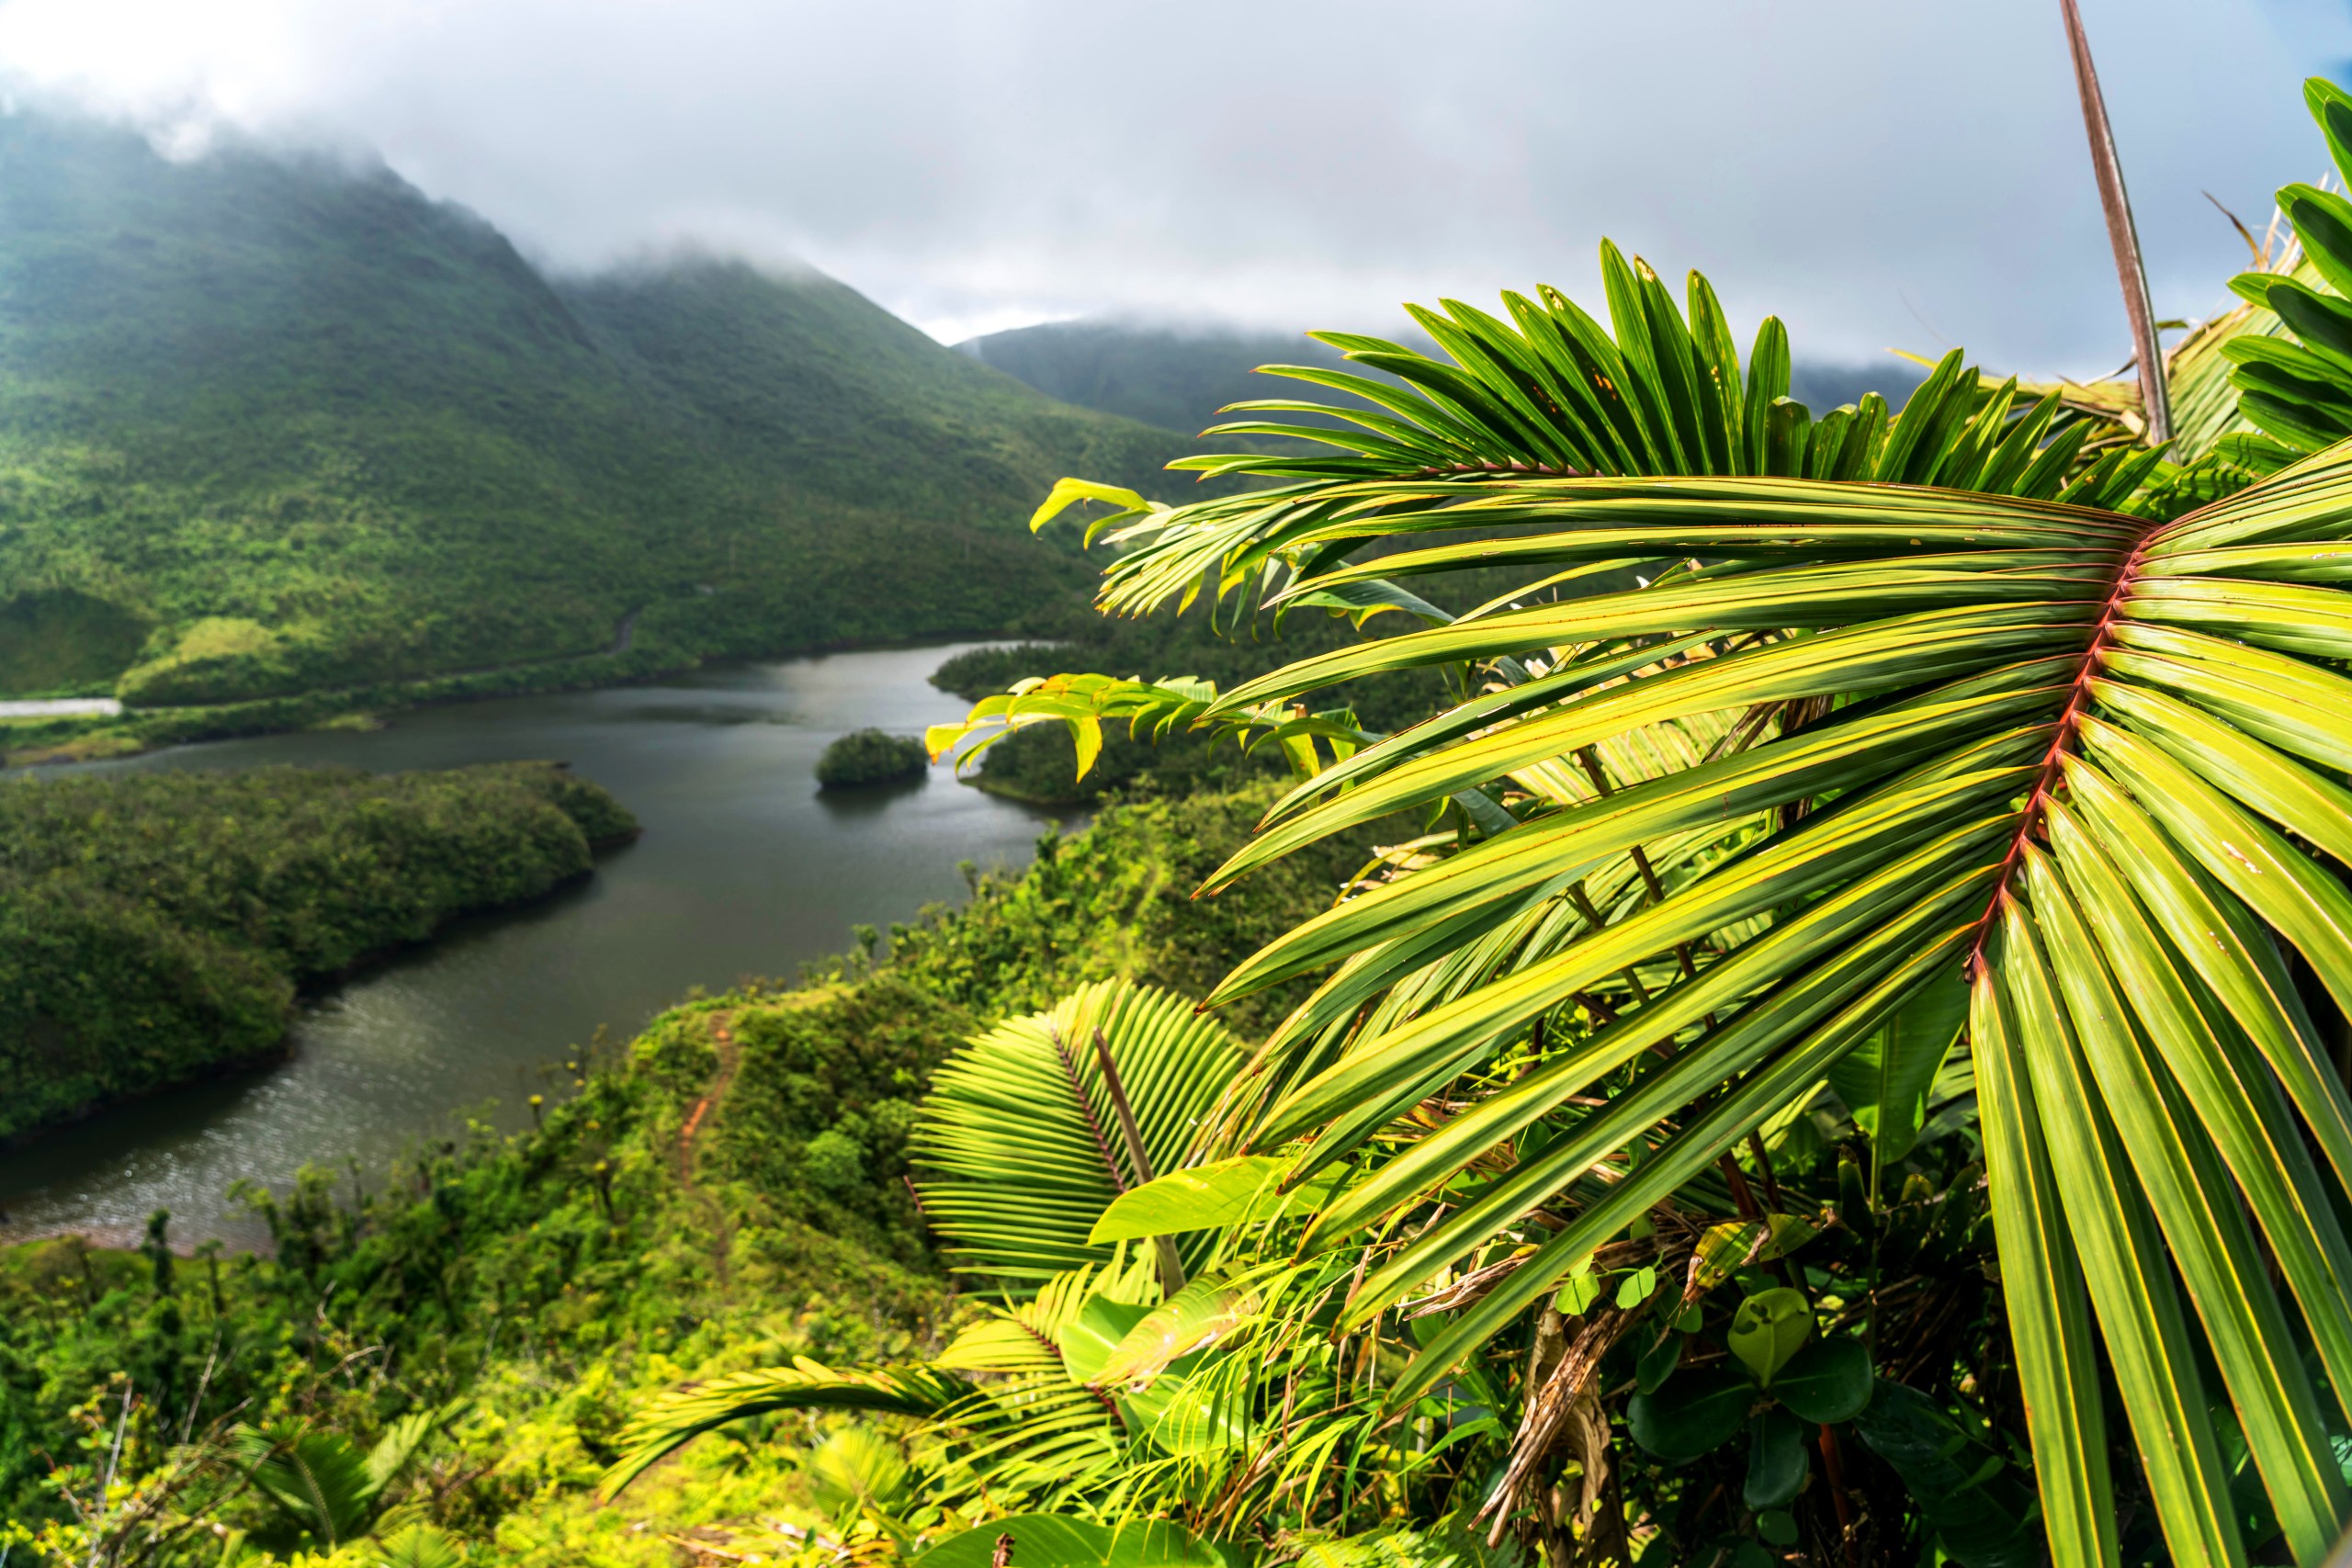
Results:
1927 791
1024 1134
672 1420
1900 702
1983 715
2296 388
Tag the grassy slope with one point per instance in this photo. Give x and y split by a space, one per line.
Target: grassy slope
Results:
302 426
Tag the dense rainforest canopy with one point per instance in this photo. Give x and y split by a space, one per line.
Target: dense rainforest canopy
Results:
155 927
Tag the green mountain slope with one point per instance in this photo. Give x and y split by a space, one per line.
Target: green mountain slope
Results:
268 424
1170 377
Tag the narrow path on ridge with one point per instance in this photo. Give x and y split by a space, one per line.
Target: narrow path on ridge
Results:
730 1056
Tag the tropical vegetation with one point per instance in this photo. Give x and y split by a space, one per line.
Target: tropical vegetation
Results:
449 1348
1786 1004
155 927
274 428
1849 1062
870 757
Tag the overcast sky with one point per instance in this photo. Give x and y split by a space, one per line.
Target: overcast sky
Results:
1881 173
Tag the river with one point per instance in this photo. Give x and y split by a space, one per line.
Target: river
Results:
744 869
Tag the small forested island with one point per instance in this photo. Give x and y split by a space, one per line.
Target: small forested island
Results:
157 926
870 757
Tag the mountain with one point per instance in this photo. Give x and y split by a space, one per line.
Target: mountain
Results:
1174 378
1177 378
271 422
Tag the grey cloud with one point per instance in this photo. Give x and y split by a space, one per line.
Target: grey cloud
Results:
1884 172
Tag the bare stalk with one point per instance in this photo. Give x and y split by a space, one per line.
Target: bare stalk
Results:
1171 1268
2131 271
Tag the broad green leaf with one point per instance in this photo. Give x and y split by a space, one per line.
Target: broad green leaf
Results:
1827 1381
1981 1521
1723 1250
1089 1341
1768 1328
1696 1413
1777 1460
1216 1196
1202 1312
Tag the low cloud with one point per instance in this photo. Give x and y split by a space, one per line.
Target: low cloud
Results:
1877 174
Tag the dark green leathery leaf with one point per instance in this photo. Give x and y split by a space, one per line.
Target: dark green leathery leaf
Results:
1777 1462
1827 1381
1694 1413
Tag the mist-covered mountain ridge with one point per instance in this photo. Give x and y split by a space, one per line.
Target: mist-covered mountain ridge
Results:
271 423
1177 375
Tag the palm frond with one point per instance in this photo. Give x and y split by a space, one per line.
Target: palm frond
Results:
1550 394
1980 707
2027 720
671 1421
1021 1139
2296 390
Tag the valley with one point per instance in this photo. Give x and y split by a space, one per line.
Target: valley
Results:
281 429
744 869
1588 945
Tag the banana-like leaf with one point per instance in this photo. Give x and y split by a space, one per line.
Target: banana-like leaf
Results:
1022 1139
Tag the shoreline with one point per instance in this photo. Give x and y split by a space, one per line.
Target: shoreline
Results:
135 731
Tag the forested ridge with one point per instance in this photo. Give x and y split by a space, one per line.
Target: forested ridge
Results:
157 926
273 424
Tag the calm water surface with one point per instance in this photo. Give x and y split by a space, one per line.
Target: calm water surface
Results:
745 870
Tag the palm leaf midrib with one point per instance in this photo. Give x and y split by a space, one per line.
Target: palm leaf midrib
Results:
2050 776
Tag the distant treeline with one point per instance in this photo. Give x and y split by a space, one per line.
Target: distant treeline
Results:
157 926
